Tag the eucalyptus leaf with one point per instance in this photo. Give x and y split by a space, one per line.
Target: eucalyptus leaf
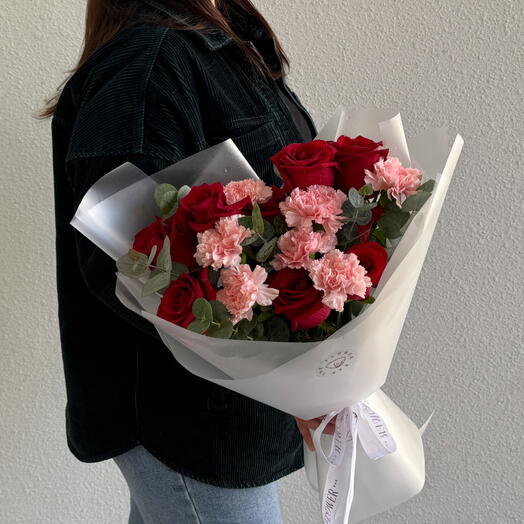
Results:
182 192
220 312
366 190
363 216
164 257
168 200
277 330
427 186
199 325
416 201
266 250
132 265
251 240
269 230
347 235
152 254
202 309
212 274
392 220
355 198
258 331
265 315
161 190
155 283
379 236
178 269
280 225
258 221
224 330
246 222
245 327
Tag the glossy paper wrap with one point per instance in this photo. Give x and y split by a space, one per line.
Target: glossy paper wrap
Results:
304 379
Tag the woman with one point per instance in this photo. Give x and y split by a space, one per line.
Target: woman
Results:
158 81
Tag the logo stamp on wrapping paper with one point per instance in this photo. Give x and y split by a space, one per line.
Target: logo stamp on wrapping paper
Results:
334 363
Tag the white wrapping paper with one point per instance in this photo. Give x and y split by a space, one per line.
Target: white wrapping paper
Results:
304 379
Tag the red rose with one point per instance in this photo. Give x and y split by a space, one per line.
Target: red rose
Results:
178 298
183 247
365 230
151 235
297 299
304 164
353 155
204 205
270 208
373 257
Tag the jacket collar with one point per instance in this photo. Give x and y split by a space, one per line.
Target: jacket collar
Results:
247 26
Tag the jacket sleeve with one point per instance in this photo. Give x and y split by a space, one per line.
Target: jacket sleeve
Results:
96 267
147 114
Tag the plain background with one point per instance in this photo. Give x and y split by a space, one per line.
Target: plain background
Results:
455 63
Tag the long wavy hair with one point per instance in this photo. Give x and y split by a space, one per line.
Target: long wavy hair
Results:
105 18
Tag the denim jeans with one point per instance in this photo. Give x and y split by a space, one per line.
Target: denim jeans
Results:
160 495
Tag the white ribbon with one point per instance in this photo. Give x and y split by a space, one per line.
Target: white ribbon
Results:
358 420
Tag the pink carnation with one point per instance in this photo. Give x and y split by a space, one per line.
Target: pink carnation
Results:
254 189
319 204
399 181
242 288
221 246
296 246
338 275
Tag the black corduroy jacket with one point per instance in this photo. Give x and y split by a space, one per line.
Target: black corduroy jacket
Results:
152 96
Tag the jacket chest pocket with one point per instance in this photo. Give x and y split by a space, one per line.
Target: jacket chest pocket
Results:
257 139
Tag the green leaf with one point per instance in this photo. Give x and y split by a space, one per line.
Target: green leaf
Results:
248 253
199 325
347 235
178 269
258 221
355 198
224 330
265 315
202 309
366 190
164 257
427 186
152 254
277 330
213 275
318 227
220 312
245 327
258 332
280 225
168 201
392 221
161 190
133 265
368 300
356 307
379 236
250 240
182 192
155 283
383 200
246 222
269 230
266 250
416 201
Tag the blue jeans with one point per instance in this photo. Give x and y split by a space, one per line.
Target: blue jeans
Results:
160 495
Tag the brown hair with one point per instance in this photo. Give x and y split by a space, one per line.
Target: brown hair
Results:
105 18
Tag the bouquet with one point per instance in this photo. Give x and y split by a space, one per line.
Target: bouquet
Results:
292 295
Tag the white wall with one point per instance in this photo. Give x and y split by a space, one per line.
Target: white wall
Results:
446 62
